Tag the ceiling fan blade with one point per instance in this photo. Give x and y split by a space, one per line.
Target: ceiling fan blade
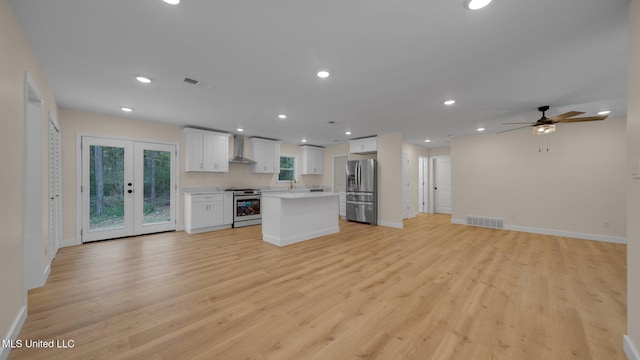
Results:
566 115
518 123
518 128
589 118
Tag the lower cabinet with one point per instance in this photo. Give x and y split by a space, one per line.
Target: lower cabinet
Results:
206 212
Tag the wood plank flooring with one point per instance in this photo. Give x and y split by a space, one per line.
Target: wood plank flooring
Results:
432 290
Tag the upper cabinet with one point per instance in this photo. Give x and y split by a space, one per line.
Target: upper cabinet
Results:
266 153
206 151
312 160
364 146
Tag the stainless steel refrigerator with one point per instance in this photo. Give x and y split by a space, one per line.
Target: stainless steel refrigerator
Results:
362 185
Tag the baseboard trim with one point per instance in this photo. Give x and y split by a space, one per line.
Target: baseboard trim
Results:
576 235
391 224
47 272
14 331
630 349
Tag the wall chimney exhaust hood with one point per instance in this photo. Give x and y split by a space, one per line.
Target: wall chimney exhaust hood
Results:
238 152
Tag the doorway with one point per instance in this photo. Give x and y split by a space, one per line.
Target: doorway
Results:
128 188
36 250
340 173
441 184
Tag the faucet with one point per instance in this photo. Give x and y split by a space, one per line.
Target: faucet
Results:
293 181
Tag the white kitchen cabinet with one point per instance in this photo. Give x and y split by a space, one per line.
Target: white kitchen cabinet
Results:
206 212
364 146
343 205
312 160
266 153
206 151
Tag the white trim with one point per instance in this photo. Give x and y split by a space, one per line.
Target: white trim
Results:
34 195
47 272
630 349
390 224
78 156
412 215
14 331
571 234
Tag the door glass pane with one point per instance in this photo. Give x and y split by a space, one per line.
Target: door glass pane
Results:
106 188
157 187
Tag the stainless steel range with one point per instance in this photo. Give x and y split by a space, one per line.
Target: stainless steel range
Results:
246 207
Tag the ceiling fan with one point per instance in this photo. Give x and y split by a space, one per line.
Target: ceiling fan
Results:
546 125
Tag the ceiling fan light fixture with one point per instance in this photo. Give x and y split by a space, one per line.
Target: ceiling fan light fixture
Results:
544 129
604 112
475 4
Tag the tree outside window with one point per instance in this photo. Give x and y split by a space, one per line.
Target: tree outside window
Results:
287 168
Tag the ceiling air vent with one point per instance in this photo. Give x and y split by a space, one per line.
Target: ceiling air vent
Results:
191 81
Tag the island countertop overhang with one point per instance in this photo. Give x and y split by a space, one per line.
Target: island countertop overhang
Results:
300 195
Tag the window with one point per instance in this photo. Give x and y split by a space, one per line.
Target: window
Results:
287 168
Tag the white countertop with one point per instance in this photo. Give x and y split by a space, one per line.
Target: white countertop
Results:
265 190
299 195
202 191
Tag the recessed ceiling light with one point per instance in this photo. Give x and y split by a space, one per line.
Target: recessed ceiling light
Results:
304 140
282 116
347 132
605 112
126 109
449 102
323 74
427 140
475 4
240 129
172 2
143 79
480 129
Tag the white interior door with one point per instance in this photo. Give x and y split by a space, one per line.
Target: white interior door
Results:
128 188
442 184
405 185
423 170
55 189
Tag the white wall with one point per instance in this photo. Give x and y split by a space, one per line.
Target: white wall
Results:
633 186
16 57
390 179
578 187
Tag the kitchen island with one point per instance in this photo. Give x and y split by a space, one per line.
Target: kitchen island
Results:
288 218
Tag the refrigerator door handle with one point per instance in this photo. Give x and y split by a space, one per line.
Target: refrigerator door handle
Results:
360 202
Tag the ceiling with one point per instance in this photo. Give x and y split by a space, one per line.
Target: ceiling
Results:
392 63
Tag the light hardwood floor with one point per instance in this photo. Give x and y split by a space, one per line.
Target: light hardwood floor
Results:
432 290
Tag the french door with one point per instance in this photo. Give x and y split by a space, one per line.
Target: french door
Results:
128 188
